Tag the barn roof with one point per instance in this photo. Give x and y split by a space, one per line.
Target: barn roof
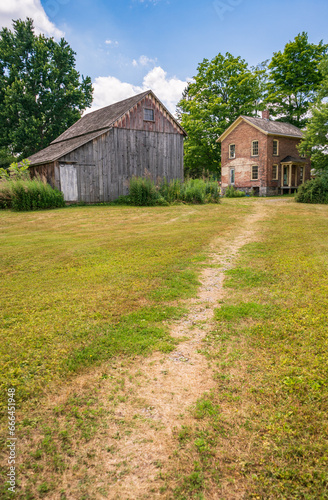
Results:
58 149
268 127
89 127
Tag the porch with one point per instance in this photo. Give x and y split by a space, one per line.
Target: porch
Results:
292 174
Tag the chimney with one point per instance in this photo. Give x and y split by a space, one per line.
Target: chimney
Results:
266 114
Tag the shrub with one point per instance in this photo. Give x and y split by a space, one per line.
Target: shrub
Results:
231 192
314 191
143 192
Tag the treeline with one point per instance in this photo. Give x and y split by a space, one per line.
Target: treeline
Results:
41 93
292 86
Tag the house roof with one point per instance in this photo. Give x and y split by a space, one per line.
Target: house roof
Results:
268 127
89 127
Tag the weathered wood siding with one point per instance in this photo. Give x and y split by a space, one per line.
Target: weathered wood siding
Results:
105 165
134 119
46 171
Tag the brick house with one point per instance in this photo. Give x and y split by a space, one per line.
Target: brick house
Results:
260 154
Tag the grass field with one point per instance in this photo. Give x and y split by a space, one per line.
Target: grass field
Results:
74 282
263 430
85 286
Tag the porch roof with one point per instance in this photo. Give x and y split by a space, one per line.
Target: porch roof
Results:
292 159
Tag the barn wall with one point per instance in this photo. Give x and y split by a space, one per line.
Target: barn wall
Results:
134 118
133 152
105 165
46 171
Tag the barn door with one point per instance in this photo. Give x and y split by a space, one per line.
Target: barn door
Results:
68 182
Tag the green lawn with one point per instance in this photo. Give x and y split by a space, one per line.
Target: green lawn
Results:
269 435
71 278
85 285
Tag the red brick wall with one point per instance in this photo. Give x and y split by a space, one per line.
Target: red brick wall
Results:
242 136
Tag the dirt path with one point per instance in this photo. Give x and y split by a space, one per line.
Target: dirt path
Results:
169 384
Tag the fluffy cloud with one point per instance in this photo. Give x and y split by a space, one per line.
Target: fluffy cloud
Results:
108 89
20 9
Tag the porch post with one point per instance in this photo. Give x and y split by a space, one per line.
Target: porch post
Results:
290 166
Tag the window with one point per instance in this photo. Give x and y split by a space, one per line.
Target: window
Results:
232 176
232 151
275 147
274 172
255 173
255 148
148 115
301 175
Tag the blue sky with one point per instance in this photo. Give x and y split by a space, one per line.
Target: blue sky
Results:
128 45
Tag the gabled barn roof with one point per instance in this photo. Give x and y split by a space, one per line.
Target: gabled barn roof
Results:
268 127
91 126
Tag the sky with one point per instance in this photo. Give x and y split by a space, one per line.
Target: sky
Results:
128 46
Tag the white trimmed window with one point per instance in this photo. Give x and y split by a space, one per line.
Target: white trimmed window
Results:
274 172
232 151
149 115
255 148
255 173
232 176
275 147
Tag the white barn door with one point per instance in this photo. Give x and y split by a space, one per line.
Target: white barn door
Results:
68 182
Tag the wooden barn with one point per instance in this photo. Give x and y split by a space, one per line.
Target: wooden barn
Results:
95 158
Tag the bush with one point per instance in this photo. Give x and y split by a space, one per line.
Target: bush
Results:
313 191
143 193
231 192
21 193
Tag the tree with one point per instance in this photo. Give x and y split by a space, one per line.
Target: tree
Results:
223 89
40 90
315 140
294 79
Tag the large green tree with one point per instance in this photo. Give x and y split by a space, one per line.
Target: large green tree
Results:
223 89
294 79
41 93
315 140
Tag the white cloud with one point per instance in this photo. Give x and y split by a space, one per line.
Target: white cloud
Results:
108 89
113 43
20 9
143 61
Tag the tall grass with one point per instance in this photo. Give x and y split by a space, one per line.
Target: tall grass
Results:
29 194
144 192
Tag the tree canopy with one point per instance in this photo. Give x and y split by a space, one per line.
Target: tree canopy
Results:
315 141
41 94
223 89
294 79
